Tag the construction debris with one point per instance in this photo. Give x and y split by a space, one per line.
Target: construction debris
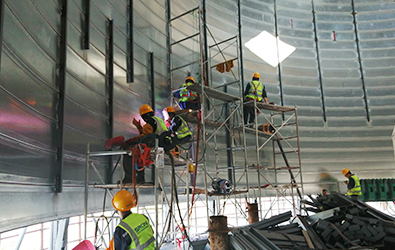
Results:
337 223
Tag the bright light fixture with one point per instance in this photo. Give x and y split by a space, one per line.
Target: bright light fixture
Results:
269 48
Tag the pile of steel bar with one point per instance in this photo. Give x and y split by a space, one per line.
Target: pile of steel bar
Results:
337 223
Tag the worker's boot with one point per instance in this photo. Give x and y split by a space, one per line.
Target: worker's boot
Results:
140 177
127 168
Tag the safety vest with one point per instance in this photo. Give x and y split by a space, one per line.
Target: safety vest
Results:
140 231
160 125
256 89
356 190
187 95
183 130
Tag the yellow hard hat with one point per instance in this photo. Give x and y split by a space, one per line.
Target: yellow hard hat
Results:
144 109
123 201
190 78
256 75
345 171
170 109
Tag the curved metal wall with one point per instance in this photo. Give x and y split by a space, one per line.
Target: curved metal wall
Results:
30 91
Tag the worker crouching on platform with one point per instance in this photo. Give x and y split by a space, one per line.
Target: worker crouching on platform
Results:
134 231
179 127
353 185
153 124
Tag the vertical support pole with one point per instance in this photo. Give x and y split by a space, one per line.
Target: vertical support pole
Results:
240 43
61 79
85 32
365 98
110 84
218 233
1 28
278 57
205 68
86 191
168 46
130 46
318 64
151 77
156 191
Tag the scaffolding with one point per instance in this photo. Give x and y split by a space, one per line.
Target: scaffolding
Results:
219 122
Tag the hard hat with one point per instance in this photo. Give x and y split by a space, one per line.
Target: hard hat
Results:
190 78
170 109
144 109
256 75
123 201
345 171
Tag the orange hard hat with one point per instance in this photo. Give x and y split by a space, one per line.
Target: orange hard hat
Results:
170 109
144 109
190 78
345 171
123 201
256 75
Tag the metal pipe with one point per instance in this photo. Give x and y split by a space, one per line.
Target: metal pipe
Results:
110 82
218 233
86 191
20 238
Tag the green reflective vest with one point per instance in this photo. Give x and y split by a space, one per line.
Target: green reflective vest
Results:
160 125
187 95
356 190
140 231
183 130
256 89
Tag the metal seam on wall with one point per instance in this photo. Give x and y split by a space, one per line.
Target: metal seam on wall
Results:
85 32
360 61
61 79
318 63
130 47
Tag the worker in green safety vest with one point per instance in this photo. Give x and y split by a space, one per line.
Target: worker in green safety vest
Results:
353 184
134 231
255 90
178 126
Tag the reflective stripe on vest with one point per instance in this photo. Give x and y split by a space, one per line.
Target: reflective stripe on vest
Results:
140 233
187 95
356 190
256 90
183 130
160 125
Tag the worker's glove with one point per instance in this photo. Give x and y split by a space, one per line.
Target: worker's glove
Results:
128 143
136 123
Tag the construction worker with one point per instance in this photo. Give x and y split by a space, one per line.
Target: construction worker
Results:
153 124
353 185
134 231
179 127
255 90
189 99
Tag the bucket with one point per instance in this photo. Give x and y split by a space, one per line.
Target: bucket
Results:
84 245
